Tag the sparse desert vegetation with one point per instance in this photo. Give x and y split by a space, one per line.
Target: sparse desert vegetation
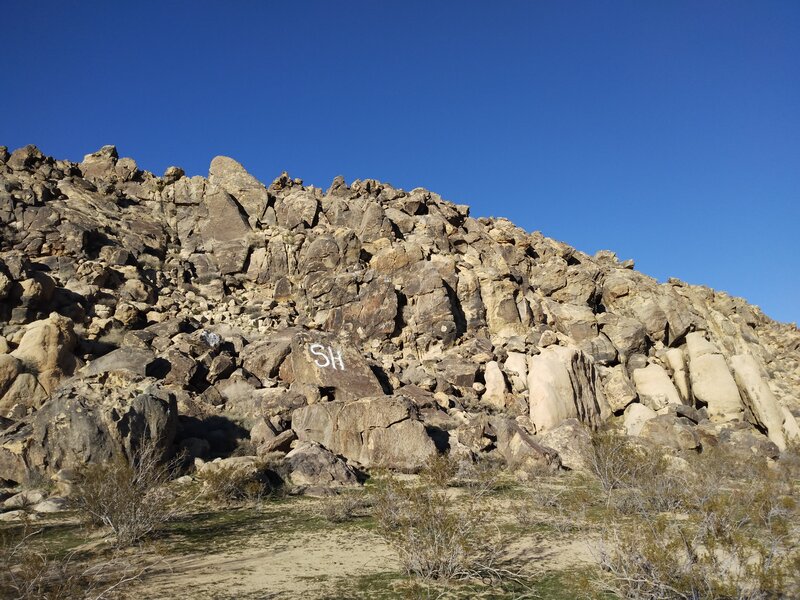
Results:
215 388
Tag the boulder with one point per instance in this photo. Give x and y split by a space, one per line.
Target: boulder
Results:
636 415
522 452
671 431
618 389
758 398
133 360
676 360
563 384
572 441
377 431
310 464
87 421
495 394
326 362
654 387
232 177
712 382
46 350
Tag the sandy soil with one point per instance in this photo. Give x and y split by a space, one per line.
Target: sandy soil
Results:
307 566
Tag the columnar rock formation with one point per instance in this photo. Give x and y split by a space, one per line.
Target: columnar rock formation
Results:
363 321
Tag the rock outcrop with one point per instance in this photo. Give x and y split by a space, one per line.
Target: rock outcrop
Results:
356 327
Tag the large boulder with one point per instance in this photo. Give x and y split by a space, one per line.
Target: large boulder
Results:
378 431
759 399
712 382
324 361
88 421
46 350
654 387
563 384
236 181
671 431
636 415
310 464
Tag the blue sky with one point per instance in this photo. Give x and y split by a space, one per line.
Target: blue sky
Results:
668 132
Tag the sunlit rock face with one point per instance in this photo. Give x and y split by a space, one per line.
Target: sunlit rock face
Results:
364 324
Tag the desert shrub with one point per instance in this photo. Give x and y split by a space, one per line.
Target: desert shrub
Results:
615 460
437 537
343 507
723 529
440 470
28 571
708 556
482 476
128 496
239 483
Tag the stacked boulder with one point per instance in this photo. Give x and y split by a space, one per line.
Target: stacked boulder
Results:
356 327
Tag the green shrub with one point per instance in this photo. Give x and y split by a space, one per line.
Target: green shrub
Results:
128 496
239 483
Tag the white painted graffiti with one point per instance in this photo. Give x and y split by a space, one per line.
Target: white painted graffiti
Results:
326 357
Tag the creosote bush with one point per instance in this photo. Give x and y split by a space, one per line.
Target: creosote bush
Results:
29 571
344 507
129 496
440 536
240 483
724 526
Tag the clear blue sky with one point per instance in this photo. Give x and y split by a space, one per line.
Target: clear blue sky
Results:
666 131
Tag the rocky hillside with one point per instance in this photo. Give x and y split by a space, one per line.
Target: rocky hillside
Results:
350 328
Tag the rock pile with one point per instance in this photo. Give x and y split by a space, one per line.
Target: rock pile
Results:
350 328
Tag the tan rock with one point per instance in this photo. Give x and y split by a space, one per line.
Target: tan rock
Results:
46 349
377 431
676 360
563 384
495 394
636 415
712 382
619 391
759 399
654 387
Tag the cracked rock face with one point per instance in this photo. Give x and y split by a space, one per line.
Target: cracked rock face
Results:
376 325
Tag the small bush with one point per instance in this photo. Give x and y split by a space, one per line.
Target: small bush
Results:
439 538
239 483
30 572
343 507
128 496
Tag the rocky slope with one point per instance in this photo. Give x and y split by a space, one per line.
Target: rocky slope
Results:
350 328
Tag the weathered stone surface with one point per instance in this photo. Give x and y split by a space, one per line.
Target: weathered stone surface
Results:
670 431
87 421
46 350
572 442
636 415
712 382
246 189
310 464
619 390
523 454
758 398
378 431
327 362
676 360
134 360
563 384
654 387
495 394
